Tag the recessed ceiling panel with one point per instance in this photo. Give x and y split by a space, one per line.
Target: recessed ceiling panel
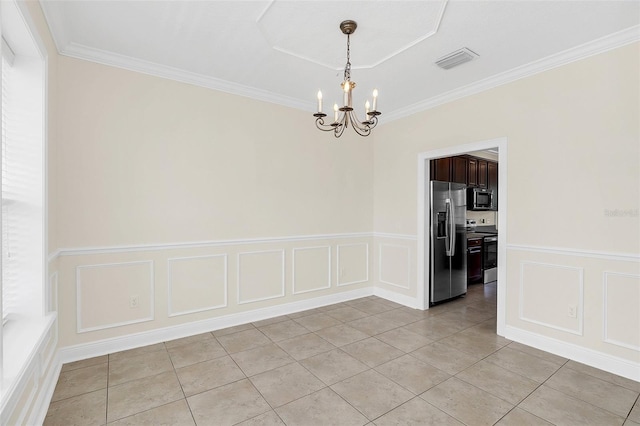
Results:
310 29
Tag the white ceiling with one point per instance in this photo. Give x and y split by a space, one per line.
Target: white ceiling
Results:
284 51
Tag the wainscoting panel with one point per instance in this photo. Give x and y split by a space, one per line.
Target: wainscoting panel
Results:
260 276
621 301
552 295
394 265
352 263
112 295
311 269
197 284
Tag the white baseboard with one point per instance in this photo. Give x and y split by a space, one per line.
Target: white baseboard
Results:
602 361
402 299
131 341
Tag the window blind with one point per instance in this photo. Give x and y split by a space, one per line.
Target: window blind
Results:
21 191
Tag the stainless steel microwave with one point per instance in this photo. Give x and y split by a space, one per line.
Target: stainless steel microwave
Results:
480 199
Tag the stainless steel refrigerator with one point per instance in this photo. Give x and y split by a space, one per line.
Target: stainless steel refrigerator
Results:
448 249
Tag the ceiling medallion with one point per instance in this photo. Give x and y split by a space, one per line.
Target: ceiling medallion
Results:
345 115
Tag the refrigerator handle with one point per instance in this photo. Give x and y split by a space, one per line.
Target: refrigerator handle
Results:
447 227
452 232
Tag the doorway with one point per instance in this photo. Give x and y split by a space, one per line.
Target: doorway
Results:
424 158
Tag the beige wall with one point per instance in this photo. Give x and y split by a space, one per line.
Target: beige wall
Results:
148 160
573 155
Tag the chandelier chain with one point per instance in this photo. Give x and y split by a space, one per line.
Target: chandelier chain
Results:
347 67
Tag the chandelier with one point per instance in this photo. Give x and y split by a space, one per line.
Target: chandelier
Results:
345 115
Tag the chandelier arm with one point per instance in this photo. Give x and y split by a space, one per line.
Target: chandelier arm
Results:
339 130
358 127
324 127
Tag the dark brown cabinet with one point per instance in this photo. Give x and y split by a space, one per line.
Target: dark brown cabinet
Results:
482 173
469 170
472 172
441 169
492 180
459 170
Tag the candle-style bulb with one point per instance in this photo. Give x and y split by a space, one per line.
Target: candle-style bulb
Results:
319 101
375 99
366 111
335 113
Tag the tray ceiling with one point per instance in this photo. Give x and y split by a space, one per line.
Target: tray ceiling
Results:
284 51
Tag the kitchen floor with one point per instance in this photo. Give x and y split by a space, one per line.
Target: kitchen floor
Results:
364 362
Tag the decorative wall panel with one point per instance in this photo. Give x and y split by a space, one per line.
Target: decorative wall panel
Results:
352 264
260 275
112 295
552 296
197 284
394 265
311 269
621 312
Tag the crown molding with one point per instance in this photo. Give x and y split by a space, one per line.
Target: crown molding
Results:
103 57
601 45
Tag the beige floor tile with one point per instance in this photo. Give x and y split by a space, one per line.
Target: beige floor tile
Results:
270 418
346 313
412 373
473 343
370 307
231 330
373 325
285 384
317 321
403 339
561 409
399 316
87 409
333 366
137 351
600 393
533 367
372 393
188 340
416 412
372 351
136 367
635 412
629 422
537 352
496 380
433 328
83 380
445 358
207 375
341 335
193 353
243 340
321 408
519 417
264 358
604 375
175 413
283 330
85 363
143 394
228 405
306 345
467 403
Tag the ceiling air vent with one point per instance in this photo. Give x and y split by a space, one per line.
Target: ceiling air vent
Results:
456 58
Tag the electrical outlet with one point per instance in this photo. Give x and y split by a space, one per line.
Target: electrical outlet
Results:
572 311
133 302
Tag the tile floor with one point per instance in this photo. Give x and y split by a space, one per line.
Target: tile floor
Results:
364 362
